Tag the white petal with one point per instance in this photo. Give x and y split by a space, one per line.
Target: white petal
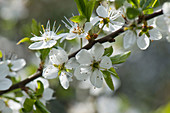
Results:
143 42
84 57
17 64
102 11
167 20
72 63
58 56
161 24
36 45
4 69
155 34
50 72
5 84
95 20
48 94
97 51
106 62
7 110
64 80
71 36
43 101
88 26
82 72
59 36
96 78
2 105
44 82
129 39
166 8
49 44
12 74
37 38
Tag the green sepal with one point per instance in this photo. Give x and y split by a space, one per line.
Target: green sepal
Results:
28 105
148 11
113 72
120 58
108 51
1 54
26 39
40 88
89 8
132 13
108 79
81 6
119 3
35 27
44 53
40 108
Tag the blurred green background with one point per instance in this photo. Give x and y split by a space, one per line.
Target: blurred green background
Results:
144 85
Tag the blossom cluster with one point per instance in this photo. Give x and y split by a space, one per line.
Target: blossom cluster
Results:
93 62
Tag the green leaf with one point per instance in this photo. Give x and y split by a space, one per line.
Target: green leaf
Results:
132 12
40 88
40 108
134 3
150 4
81 6
113 72
89 8
108 51
35 27
28 105
142 3
120 58
119 3
26 39
44 54
108 79
1 54
146 4
78 19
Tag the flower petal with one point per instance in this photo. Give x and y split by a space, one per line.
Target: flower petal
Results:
84 57
143 42
48 94
161 24
102 11
4 69
5 84
96 78
72 63
7 110
166 8
82 72
95 20
97 51
64 80
129 39
106 62
59 36
71 36
2 105
17 64
50 72
155 34
37 38
36 45
88 26
58 56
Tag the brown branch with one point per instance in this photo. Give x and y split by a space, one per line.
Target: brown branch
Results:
108 38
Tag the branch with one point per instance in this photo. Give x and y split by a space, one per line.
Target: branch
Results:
108 38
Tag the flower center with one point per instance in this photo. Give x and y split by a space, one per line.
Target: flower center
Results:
95 65
78 30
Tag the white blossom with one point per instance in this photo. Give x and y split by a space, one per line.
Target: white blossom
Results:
75 30
60 64
47 40
91 64
108 17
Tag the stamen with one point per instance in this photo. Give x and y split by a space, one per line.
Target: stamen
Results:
58 28
43 28
66 25
54 26
48 26
68 21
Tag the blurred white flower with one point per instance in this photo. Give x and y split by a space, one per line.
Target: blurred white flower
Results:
47 40
4 108
76 31
60 64
91 62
